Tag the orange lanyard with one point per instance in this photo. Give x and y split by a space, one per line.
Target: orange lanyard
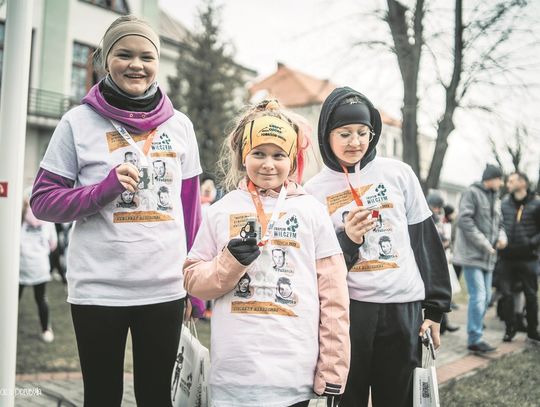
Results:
267 227
357 199
261 216
148 141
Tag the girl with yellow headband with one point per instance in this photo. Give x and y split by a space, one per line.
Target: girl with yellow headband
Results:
266 253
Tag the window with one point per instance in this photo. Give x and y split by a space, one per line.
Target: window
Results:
82 72
120 6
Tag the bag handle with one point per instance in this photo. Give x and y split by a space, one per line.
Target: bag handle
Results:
427 341
190 324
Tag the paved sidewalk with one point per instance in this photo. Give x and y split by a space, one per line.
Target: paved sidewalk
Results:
453 361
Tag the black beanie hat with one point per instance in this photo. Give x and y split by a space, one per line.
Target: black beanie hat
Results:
355 112
491 172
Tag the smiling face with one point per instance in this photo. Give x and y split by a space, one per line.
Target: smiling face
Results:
350 143
133 64
268 166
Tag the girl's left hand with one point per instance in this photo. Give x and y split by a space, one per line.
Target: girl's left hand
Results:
435 331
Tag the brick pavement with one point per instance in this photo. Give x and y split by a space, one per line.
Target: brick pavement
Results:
453 362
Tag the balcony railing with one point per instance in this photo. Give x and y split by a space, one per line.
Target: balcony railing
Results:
44 103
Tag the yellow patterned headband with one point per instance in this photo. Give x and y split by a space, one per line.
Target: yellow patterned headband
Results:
269 130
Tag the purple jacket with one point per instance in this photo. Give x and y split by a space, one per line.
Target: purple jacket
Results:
54 199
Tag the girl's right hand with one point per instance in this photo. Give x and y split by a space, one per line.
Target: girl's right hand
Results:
357 224
128 175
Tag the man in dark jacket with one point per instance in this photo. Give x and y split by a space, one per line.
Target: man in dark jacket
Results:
519 260
479 235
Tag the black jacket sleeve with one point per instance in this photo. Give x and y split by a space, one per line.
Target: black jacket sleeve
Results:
431 260
350 249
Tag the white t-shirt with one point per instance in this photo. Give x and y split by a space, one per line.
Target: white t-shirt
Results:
386 271
265 332
131 252
36 242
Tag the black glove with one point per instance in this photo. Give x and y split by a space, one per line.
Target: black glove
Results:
245 251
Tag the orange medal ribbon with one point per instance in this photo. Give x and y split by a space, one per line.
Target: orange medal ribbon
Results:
261 216
357 199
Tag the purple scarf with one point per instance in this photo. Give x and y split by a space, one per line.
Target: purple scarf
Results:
134 122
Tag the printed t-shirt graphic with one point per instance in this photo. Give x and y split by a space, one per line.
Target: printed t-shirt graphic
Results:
152 201
270 291
247 336
386 270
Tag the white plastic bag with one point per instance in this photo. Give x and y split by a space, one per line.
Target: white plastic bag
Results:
189 387
454 282
425 385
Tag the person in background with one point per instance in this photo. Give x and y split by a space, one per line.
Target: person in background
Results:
519 260
478 237
125 261
436 204
449 225
208 193
38 240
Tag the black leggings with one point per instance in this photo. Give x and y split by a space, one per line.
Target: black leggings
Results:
41 301
101 339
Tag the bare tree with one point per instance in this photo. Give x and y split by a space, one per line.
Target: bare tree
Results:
478 55
408 48
516 149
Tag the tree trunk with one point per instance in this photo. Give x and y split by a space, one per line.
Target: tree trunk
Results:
446 123
408 50
409 127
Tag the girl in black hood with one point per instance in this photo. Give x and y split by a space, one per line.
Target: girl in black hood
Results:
396 262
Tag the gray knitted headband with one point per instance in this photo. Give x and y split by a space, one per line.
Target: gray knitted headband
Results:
124 29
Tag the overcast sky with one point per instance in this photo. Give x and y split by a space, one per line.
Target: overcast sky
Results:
316 37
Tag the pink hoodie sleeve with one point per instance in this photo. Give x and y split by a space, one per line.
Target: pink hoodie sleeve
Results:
334 343
212 279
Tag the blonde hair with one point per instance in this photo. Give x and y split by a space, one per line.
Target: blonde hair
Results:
231 166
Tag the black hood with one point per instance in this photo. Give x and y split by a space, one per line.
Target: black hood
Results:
331 102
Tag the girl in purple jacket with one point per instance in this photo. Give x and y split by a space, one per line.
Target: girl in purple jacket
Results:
124 165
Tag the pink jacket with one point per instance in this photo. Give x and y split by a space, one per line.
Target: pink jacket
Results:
212 279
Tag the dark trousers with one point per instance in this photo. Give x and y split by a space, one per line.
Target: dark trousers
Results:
101 339
458 269
56 263
512 273
41 301
385 349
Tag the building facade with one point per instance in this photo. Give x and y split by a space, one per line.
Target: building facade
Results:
65 33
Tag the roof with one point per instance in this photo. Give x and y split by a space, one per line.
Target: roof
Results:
293 88
172 29
296 89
